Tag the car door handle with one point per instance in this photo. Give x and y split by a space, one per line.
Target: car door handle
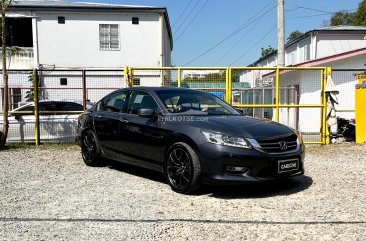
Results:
98 116
123 120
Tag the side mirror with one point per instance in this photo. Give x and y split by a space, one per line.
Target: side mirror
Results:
146 112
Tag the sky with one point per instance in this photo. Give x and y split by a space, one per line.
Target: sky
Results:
232 32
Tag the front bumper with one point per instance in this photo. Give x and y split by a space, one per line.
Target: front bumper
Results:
259 166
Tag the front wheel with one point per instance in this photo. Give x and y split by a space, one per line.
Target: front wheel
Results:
182 168
90 149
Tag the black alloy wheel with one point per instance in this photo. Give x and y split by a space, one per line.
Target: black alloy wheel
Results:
90 149
182 168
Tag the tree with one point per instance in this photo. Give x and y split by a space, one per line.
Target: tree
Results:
267 51
4 4
357 18
360 16
293 35
342 18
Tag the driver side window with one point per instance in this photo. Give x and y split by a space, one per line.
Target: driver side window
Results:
141 100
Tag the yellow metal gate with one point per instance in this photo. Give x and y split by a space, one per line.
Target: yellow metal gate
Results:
289 95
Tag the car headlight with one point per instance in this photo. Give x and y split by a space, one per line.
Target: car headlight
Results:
299 137
221 139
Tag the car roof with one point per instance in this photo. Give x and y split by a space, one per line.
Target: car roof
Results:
46 101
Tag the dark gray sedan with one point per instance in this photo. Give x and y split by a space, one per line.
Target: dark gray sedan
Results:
193 137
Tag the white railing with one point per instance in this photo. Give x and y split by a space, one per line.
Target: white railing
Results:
21 60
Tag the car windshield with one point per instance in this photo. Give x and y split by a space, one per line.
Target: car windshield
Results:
194 103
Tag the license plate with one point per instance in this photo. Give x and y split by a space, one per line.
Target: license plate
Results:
288 165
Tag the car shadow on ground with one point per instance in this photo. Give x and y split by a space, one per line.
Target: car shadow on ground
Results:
281 187
136 171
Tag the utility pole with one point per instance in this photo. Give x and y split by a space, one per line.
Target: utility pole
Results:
280 33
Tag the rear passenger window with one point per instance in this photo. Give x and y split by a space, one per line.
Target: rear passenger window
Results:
114 103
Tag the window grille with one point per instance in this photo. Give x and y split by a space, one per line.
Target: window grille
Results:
109 36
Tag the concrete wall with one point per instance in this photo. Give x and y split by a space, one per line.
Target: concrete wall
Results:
76 43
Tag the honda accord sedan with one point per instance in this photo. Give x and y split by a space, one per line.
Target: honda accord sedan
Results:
192 137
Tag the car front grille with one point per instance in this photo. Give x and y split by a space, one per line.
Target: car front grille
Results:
280 144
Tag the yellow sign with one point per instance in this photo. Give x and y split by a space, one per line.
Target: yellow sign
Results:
361 109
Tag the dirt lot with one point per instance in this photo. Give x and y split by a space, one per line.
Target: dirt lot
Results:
47 193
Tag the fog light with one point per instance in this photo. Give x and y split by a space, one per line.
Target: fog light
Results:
235 169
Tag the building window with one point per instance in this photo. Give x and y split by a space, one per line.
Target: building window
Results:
135 20
61 20
136 81
109 36
15 97
63 81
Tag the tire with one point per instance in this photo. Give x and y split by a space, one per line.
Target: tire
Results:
182 168
90 149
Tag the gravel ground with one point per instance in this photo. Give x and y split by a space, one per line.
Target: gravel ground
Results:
47 193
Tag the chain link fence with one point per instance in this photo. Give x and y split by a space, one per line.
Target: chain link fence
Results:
345 81
292 96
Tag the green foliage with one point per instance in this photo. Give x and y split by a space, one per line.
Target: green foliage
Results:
267 51
357 18
11 51
342 18
360 14
293 35
29 95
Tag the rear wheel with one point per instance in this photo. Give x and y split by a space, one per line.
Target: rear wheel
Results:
182 168
90 149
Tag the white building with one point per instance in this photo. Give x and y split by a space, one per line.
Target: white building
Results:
342 48
89 35
199 73
58 35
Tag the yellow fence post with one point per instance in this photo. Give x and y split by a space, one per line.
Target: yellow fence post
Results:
230 85
227 99
360 109
323 102
179 78
131 76
36 101
327 133
277 94
125 76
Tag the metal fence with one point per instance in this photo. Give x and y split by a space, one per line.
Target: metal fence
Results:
292 96
345 81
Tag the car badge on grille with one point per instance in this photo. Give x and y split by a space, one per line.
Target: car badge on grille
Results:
283 145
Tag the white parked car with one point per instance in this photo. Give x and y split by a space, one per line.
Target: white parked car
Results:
54 127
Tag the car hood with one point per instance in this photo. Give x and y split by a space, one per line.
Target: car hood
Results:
260 129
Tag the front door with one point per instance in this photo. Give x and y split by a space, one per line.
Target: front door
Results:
145 135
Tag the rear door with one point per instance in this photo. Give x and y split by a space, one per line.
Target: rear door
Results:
108 117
